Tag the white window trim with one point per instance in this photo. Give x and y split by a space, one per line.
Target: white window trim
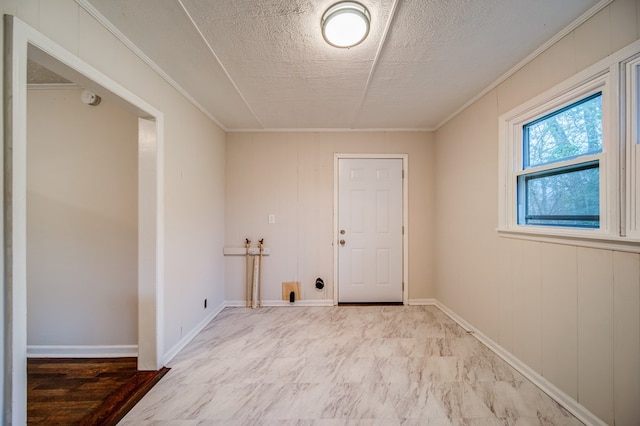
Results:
630 162
618 167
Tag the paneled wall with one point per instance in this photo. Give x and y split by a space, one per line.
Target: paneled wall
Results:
291 176
194 162
573 315
570 313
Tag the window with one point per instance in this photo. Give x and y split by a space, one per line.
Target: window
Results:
556 149
559 180
570 158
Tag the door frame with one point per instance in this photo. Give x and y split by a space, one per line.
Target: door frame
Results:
405 217
19 39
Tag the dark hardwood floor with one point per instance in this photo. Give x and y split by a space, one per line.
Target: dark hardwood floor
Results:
85 391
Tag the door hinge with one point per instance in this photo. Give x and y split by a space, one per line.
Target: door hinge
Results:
402 229
403 174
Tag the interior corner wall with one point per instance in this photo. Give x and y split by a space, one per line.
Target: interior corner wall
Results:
572 314
82 223
291 176
194 169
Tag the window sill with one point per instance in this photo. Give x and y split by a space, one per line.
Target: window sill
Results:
598 241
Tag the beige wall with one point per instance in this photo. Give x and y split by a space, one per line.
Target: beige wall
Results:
82 224
291 175
193 162
570 313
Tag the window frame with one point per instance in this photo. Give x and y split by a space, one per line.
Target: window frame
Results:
618 77
512 142
522 170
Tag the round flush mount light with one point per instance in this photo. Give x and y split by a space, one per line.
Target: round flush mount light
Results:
345 24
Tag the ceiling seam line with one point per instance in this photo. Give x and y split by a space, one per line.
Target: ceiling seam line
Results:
376 59
206 42
102 20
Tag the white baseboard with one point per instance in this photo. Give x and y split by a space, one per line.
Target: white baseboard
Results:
421 302
573 406
82 351
171 353
281 303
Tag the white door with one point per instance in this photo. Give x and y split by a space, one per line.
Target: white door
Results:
369 230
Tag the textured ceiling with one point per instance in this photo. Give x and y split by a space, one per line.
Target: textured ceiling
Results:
264 64
37 74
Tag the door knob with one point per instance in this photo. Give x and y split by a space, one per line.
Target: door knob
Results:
342 242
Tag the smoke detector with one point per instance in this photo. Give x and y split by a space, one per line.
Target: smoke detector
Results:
90 98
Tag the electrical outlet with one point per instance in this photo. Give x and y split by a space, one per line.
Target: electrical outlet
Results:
272 218
205 303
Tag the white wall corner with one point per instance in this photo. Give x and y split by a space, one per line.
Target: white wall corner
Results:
182 343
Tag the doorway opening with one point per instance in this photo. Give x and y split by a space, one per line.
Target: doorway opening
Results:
22 43
82 224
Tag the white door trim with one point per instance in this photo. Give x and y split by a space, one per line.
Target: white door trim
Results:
19 39
405 218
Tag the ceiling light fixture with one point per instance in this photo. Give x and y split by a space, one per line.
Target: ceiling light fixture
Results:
345 24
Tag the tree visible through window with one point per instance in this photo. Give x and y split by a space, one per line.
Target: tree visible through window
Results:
560 182
569 159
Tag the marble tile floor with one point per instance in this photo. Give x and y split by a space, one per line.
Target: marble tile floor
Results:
355 365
